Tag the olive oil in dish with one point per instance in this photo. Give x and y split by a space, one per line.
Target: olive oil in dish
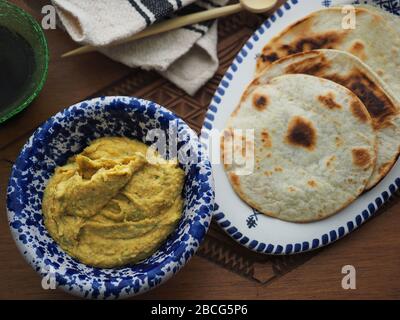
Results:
17 65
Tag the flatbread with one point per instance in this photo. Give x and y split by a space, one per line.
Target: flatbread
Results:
374 41
352 73
310 160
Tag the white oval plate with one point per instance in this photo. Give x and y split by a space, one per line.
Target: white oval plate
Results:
250 228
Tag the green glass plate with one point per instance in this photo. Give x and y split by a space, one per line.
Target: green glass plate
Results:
18 21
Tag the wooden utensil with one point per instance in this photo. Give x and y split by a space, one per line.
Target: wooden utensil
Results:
255 6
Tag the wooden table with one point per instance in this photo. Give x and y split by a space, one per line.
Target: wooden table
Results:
373 249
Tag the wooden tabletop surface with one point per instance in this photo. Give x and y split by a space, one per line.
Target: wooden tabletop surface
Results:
373 249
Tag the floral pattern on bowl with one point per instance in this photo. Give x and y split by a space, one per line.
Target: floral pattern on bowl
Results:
68 133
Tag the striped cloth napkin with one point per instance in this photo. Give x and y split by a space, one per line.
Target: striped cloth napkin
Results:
186 56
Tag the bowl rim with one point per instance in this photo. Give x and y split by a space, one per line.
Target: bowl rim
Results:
43 42
30 257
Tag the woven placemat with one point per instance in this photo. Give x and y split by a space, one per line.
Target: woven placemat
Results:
217 247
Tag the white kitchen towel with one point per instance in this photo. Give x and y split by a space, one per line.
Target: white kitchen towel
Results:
186 56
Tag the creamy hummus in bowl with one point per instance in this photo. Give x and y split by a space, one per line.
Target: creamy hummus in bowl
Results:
110 197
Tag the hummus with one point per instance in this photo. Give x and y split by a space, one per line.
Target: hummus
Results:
108 206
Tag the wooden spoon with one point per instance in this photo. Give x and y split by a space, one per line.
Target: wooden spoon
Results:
256 6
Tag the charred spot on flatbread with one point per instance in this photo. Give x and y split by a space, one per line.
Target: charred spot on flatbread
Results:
260 101
361 157
316 42
327 40
313 65
378 104
301 133
312 183
272 57
359 111
266 139
338 142
328 101
330 161
358 49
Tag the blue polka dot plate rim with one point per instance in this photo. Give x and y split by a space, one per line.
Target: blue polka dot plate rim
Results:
248 227
68 133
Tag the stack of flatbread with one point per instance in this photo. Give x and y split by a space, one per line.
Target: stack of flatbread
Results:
324 107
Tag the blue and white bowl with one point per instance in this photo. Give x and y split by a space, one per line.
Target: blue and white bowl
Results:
68 133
